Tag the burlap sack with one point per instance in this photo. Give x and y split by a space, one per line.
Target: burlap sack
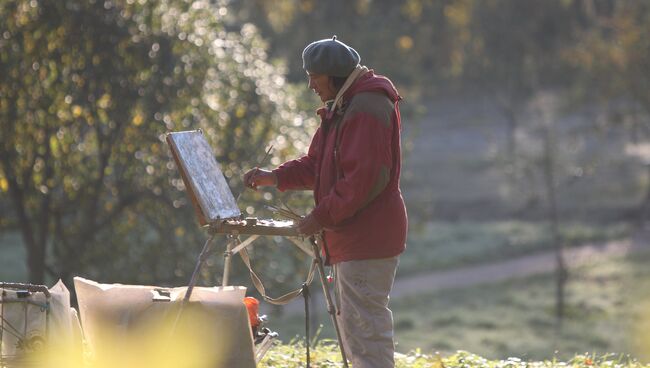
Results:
151 323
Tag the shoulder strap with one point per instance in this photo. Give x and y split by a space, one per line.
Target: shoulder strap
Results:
284 299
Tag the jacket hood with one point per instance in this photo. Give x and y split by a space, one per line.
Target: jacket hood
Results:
368 82
371 82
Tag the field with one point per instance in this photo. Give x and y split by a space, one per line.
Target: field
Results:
324 355
516 318
443 244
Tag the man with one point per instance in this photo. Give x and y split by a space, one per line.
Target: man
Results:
353 167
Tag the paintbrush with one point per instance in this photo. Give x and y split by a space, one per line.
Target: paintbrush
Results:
285 213
257 167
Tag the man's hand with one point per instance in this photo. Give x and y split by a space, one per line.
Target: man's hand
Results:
259 178
309 226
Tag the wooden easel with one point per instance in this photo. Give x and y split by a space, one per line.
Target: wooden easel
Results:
218 213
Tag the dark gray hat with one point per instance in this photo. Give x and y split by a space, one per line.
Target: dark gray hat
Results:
330 57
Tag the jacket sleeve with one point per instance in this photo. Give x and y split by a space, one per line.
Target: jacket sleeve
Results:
299 173
364 164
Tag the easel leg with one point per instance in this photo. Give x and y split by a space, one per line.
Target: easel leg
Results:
331 309
227 259
204 254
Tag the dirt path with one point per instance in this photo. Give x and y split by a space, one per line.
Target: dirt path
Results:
516 268
499 271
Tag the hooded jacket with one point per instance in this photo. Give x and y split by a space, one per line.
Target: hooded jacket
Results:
353 166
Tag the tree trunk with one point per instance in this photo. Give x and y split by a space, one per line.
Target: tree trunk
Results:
511 135
644 208
560 264
35 248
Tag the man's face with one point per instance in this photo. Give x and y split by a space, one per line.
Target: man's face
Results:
322 85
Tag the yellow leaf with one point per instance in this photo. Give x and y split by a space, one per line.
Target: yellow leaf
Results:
105 101
405 43
179 231
138 119
76 111
4 185
241 111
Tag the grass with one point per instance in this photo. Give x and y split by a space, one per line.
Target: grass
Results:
325 355
456 165
439 245
605 301
431 246
12 258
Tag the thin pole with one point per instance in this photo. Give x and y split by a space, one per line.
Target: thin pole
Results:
202 257
331 309
205 252
227 255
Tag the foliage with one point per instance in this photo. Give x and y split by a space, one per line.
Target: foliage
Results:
87 91
418 38
614 60
498 46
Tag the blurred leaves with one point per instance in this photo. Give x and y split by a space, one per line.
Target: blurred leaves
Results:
87 91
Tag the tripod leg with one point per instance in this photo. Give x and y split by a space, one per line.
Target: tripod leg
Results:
227 258
331 309
188 293
204 254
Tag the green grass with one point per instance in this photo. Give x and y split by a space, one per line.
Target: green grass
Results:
325 354
431 246
604 303
12 258
438 245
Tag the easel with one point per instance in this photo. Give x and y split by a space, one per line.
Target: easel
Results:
215 206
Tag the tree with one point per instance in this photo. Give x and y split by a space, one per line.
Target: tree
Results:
387 34
545 108
87 91
614 55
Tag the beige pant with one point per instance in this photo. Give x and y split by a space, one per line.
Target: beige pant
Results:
366 323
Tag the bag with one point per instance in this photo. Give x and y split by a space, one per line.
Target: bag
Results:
152 322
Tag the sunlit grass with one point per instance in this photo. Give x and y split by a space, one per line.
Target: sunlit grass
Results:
326 355
516 318
191 352
642 330
439 245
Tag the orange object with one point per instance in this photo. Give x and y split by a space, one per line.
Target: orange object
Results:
252 306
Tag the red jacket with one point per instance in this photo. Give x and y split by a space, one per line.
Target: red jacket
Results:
353 167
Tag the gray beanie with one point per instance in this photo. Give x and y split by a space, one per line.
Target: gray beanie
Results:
330 57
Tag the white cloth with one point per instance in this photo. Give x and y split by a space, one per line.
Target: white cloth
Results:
364 317
113 314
